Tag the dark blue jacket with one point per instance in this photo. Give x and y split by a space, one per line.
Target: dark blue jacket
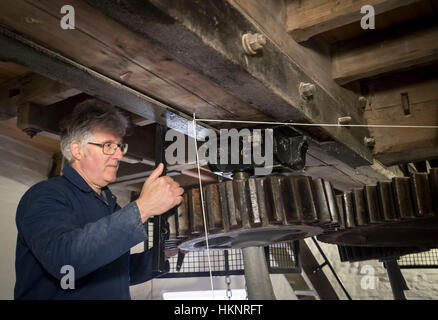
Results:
62 221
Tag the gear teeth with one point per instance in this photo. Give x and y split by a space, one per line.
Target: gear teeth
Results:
224 205
386 197
331 199
403 197
233 209
322 202
349 210
212 200
276 199
255 213
195 210
360 209
372 204
422 196
243 201
341 210
303 204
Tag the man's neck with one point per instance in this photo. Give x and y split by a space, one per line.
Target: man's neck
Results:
95 187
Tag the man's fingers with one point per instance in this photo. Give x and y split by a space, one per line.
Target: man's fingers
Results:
156 173
179 191
178 200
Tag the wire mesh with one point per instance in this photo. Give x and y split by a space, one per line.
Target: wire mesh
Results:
280 259
427 259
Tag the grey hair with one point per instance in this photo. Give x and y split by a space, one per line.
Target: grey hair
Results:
87 117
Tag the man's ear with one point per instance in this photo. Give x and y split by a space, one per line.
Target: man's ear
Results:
76 150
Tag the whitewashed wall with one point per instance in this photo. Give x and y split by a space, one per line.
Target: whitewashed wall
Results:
21 166
422 283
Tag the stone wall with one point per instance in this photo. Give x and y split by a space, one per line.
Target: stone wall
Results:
422 283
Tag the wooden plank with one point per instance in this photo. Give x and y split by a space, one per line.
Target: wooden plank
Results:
123 55
31 88
398 145
393 49
9 71
46 62
306 19
9 128
384 20
318 278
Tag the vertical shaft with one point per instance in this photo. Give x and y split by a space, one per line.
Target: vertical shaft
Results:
257 278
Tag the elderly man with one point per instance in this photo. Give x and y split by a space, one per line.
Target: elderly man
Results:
72 222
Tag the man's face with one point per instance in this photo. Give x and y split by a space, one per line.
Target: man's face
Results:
100 169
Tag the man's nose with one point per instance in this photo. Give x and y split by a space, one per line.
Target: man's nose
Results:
118 154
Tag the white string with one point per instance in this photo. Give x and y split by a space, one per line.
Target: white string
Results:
320 124
202 203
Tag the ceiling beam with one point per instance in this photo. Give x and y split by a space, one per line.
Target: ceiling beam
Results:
394 49
408 98
268 81
50 64
33 88
306 19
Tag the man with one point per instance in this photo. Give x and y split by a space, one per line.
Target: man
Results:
72 222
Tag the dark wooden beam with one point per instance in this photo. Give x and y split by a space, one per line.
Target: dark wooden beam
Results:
52 65
316 275
32 88
268 81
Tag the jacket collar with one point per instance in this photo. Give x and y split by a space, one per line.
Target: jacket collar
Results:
75 178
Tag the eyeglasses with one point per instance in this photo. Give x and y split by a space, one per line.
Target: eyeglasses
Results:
109 148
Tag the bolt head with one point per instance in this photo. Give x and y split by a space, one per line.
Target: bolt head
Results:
362 103
369 142
306 90
253 42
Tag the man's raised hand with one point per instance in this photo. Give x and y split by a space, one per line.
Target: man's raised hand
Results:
158 194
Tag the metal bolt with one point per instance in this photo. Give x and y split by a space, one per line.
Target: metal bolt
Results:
253 42
344 120
306 90
362 103
31 132
369 142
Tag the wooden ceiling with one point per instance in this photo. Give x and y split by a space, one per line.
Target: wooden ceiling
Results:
394 67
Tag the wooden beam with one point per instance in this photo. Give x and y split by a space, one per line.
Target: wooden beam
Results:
106 46
394 49
316 276
48 144
398 16
267 81
410 98
9 71
31 88
306 19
